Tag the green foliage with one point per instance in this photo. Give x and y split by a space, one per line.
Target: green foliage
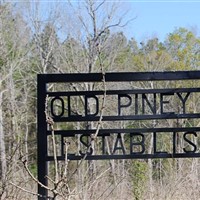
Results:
183 46
1 62
138 173
33 169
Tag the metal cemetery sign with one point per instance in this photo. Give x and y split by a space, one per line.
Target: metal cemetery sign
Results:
118 116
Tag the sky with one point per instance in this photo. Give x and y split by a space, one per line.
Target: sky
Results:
159 18
153 18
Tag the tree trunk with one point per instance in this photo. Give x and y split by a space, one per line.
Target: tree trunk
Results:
2 141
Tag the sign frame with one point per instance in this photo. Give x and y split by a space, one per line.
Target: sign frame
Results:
44 79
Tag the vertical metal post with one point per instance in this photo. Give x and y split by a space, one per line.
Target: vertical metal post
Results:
41 137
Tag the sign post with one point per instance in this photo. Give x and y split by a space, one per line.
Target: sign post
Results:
42 138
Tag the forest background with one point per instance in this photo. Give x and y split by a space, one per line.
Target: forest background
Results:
83 38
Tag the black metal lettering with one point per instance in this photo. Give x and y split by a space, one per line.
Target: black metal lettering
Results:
121 147
87 145
190 142
70 111
162 102
155 145
120 105
183 99
61 107
152 107
174 142
69 107
103 145
136 104
140 143
87 109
